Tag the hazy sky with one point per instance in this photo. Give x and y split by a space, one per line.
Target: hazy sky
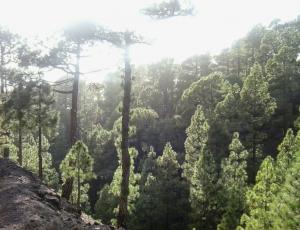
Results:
216 25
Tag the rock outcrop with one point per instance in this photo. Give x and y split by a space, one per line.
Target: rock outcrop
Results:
25 203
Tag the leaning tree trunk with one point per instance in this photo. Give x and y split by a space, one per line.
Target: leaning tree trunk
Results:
68 185
125 158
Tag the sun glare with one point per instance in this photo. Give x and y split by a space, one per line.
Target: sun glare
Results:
215 26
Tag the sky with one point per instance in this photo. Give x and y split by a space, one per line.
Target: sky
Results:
215 25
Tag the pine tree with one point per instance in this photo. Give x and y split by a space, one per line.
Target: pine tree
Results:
100 143
260 197
228 111
268 192
18 109
112 192
168 9
207 91
234 182
282 75
171 197
163 201
227 121
197 135
203 192
30 162
287 151
45 115
78 164
105 205
144 215
286 206
191 70
9 46
149 166
257 107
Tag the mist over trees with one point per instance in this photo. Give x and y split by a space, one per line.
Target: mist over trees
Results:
209 143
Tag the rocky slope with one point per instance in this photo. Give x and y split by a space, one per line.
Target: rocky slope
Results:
25 203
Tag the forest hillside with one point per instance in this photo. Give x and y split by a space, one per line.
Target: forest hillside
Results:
211 142
28 204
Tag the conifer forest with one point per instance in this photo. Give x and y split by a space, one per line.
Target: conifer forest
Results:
208 143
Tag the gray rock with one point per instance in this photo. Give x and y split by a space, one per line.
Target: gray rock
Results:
25 203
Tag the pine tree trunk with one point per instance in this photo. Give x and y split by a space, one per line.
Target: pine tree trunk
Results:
1 69
40 166
6 152
3 82
67 188
125 158
68 185
78 181
238 64
40 153
20 153
74 130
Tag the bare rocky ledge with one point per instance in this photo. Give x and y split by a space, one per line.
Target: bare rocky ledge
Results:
25 203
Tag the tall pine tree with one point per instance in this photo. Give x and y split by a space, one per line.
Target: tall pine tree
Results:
78 164
203 194
197 135
234 181
260 197
257 107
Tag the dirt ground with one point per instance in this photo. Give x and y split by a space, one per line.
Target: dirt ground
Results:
25 203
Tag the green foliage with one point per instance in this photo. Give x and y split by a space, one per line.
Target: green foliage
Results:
105 205
203 192
141 130
146 215
160 95
257 109
163 201
286 206
258 105
112 192
143 216
43 111
251 88
100 143
234 181
173 192
207 92
30 162
149 166
168 8
78 164
266 198
7 142
191 70
260 197
287 151
197 135
228 111
18 107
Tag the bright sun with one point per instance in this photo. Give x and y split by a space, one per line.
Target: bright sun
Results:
215 26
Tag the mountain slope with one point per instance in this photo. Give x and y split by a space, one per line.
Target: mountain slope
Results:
25 203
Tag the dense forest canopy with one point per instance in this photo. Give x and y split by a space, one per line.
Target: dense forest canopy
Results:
208 143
